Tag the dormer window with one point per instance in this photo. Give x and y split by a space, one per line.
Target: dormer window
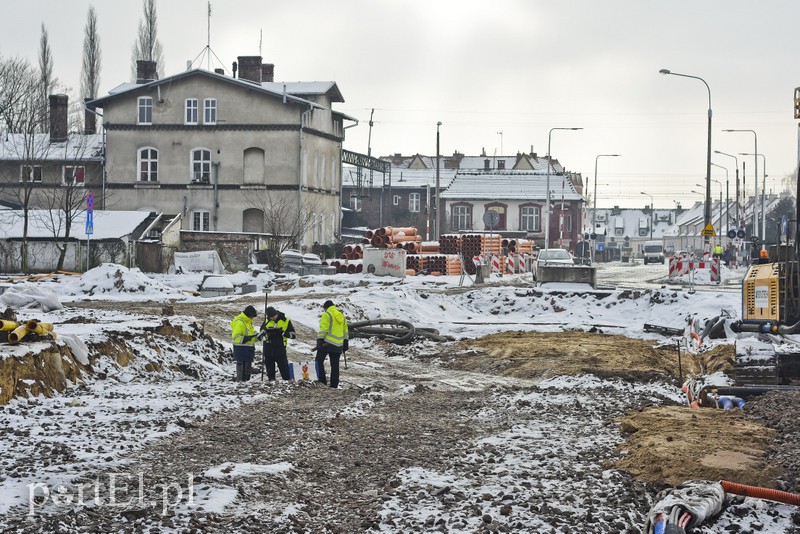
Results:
501 164
191 111
145 115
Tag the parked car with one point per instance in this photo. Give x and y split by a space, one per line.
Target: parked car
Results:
554 256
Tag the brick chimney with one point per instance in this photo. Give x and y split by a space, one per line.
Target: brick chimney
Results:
58 118
250 68
146 71
267 72
89 119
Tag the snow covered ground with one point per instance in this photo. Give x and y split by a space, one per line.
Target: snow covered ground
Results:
101 423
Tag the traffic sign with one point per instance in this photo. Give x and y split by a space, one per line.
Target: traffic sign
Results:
90 200
708 231
491 219
89 222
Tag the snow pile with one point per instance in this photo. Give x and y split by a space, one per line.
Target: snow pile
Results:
111 279
30 297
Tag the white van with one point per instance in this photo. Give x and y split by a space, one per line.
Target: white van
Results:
653 252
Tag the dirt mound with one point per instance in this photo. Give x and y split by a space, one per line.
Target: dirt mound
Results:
670 445
537 354
45 372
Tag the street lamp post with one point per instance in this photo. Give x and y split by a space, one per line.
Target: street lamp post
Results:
594 198
727 200
594 195
547 184
763 190
708 154
736 161
437 220
755 174
651 214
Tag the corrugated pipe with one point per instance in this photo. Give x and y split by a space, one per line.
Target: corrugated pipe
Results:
761 493
6 326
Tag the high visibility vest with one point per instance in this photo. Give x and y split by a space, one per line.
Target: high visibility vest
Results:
718 250
332 327
242 326
283 324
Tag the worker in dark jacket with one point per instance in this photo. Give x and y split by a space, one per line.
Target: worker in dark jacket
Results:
276 331
332 340
244 339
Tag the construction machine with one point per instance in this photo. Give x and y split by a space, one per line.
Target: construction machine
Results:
771 308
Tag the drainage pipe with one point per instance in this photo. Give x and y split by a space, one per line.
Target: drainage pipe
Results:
761 493
6 326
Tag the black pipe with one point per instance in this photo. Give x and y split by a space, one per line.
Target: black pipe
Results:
748 391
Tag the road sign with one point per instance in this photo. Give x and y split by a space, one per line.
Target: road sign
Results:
491 219
89 222
90 200
708 231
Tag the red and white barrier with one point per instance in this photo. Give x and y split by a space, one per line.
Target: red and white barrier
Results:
684 265
495 264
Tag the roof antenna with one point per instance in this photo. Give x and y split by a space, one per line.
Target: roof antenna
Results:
207 51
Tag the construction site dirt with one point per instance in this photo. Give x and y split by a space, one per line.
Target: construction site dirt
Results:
408 443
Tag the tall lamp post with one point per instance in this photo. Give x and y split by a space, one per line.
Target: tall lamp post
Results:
736 161
437 221
594 195
727 200
651 214
763 190
755 198
708 156
547 184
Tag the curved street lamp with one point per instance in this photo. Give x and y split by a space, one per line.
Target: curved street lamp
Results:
594 195
547 210
755 198
708 156
736 160
763 188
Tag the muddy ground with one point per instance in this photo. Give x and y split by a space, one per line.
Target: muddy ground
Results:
408 443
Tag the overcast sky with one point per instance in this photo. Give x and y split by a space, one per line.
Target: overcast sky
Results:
520 67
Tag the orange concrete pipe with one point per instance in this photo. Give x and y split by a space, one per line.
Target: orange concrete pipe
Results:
6 326
761 493
408 231
17 334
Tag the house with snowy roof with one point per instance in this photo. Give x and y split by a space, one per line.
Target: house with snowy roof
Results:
407 196
229 154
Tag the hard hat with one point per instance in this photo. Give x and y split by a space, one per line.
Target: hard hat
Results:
764 253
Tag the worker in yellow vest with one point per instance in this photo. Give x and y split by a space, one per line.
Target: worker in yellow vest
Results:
244 338
718 251
332 340
276 331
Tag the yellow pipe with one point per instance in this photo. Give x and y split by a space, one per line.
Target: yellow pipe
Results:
7 325
39 328
17 335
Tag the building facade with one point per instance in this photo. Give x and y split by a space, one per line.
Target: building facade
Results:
229 154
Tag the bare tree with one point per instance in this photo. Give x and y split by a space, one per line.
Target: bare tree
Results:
286 220
90 72
46 81
23 114
147 46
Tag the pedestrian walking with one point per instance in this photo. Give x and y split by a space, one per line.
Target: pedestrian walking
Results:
332 340
276 331
244 339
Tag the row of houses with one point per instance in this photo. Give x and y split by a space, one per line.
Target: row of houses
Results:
241 163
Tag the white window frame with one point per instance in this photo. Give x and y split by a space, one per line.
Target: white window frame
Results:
201 220
210 111
461 217
34 177
144 110
355 203
414 202
200 168
395 200
531 214
71 173
151 172
191 111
